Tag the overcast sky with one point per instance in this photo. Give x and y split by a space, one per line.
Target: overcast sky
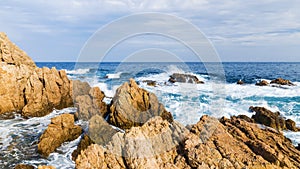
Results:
56 30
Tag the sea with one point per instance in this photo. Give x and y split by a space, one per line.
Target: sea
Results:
219 96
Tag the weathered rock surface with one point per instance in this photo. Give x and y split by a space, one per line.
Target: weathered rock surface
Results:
211 143
60 130
83 144
24 166
90 104
46 167
133 106
262 83
184 78
272 119
281 81
28 89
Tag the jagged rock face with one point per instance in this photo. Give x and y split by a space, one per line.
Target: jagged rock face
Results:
83 144
271 119
153 145
26 88
211 143
133 106
90 104
184 78
281 81
60 130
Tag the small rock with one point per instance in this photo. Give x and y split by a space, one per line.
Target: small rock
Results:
240 82
24 166
46 167
60 130
150 82
184 78
262 83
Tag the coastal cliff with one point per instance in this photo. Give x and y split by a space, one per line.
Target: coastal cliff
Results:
138 132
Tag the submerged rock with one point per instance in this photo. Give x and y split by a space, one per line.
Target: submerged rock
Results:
272 119
133 106
240 82
150 82
60 130
262 83
281 81
184 78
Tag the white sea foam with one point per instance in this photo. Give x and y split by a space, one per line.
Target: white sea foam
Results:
113 75
78 71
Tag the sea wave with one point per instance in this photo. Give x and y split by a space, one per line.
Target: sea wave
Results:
78 71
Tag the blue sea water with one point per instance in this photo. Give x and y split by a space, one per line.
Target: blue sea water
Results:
187 102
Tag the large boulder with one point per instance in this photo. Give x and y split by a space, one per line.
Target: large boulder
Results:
60 130
184 78
133 106
272 119
27 89
281 81
90 104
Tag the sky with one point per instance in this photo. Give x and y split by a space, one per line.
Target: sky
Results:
240 31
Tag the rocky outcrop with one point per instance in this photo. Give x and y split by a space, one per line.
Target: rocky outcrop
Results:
184 78
83 144
211 143
27 89
133 106
60 130
262 83
281 81
153 145
90 104
272 119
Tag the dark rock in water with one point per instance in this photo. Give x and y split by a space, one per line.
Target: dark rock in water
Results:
271 119
60 130
240 82
281 81
90 104
298 147
246 118
83 144
291 125
262 83
184 78
150 82
24 166
133 106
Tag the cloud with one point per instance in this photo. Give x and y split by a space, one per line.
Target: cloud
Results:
230 23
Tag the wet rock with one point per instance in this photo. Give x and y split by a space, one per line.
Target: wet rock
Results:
281 81
272 119
246 118
262 83
184 78
90 104
150 82
240 82
83 144
23 166
60 130
133 106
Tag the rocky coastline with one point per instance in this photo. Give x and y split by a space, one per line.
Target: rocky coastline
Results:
135 130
